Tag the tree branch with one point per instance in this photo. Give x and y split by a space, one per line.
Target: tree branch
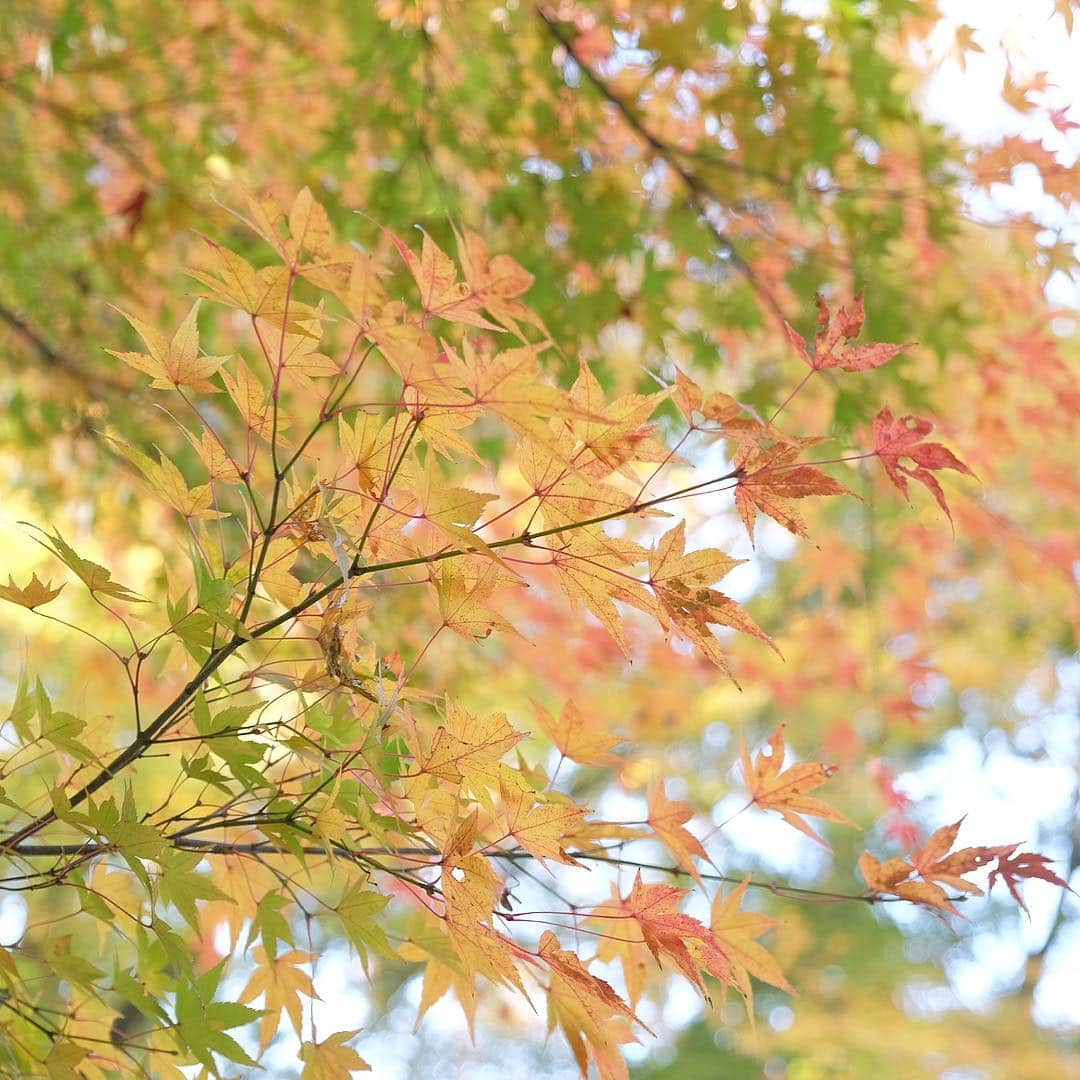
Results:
223 847
699 194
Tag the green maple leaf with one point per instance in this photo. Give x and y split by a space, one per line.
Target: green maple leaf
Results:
356 911
181 885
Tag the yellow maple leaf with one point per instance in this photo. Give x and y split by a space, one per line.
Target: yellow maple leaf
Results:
580 740
283 981
465 592
31 595
540 828
332 1059
467 749
441 294
592 571
668 820
771 788
175 363
167 482
736 930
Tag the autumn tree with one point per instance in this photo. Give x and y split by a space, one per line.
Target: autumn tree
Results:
373 580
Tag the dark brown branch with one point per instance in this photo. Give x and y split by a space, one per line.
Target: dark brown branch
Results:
223 847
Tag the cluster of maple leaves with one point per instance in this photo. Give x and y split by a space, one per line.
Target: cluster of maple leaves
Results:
361 470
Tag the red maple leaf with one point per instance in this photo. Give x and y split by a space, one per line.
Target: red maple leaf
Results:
1013 868
897 439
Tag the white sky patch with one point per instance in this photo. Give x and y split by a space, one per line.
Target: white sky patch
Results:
1027 36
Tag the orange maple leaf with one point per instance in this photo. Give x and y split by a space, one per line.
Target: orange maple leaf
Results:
497 281
919 878
668 820
681 583
666 931
592 1016
786 792
835 328
580 740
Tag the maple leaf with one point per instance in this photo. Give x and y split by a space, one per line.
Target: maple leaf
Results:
467 749
497 282
835 328
485 951
181 885
309 226
681 583
167 482
668 932
1016 94
768 482
1061 121
613 433
283 982
771 788
465 592
963 43
935 861
668 820
441 294
232 280
1013 867
540 828
253 403
218 461
63 1059
722 409
510 385
736 930
920 877
431 946
368 446
448 509
581 740
357 910
470 885
95 577
175 363
31 595
332 1059
896 439
592 571
587 1010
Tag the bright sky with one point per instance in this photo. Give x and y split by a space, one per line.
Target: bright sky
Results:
1028 35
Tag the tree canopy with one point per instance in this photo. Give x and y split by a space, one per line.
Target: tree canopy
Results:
537 537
